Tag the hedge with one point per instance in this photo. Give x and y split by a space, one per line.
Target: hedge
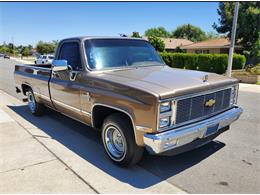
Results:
205 62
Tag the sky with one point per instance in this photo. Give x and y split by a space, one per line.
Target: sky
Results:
28 22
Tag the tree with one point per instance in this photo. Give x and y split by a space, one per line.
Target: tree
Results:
157 32
7 48
26 51
255 53
212 35
19 48
4 49
157 43
248 24
136 35
30 47
55 42
190 32
45 48
11 48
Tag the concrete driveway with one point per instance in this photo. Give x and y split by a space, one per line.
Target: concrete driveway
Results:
229 164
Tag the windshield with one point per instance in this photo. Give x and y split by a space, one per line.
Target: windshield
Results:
115 53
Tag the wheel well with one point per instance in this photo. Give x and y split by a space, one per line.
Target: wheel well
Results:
25 88
99 113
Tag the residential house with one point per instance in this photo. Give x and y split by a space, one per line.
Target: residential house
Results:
212 46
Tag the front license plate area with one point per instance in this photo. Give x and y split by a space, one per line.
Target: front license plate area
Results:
211 130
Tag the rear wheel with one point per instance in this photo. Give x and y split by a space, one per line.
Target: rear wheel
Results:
35 108
119 141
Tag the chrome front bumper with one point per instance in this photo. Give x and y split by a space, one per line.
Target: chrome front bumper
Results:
161 142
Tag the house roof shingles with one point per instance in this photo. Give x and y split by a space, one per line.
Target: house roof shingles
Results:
172 43
211 43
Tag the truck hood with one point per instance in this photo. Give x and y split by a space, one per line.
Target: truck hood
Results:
166 82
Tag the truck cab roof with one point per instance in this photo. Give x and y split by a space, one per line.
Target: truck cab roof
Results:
82 38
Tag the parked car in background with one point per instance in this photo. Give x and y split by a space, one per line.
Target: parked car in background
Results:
6 57
1 55
44 59
122 87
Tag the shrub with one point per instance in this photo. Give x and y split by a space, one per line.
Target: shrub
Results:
177 60
166 58
255 70
238 61
219 63
204 62
190 61
216 63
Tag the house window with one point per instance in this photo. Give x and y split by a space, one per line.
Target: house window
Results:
202 51
224 50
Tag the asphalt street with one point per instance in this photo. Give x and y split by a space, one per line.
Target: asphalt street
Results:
229 164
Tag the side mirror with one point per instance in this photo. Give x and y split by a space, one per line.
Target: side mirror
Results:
58 65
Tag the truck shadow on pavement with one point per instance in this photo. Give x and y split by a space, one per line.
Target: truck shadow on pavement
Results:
86 143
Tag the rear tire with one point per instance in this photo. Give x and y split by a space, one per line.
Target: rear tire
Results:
119 141
35 108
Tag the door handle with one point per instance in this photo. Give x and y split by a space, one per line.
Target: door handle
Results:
73 75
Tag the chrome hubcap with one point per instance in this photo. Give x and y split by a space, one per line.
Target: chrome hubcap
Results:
114 142
31 102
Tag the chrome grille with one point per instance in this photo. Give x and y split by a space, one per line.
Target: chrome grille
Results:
194 107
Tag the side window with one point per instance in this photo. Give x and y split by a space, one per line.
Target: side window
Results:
71 53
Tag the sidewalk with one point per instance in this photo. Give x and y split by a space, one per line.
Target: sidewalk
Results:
26 166
42 155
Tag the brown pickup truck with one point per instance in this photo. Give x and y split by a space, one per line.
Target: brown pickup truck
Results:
122 87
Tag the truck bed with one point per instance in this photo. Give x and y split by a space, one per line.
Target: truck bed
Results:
39 65
35 76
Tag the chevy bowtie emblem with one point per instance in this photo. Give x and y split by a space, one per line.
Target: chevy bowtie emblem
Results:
210 103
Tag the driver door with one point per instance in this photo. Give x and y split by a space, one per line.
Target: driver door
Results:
65 85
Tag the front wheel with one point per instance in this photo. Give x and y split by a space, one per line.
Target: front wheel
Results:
35 108
119 141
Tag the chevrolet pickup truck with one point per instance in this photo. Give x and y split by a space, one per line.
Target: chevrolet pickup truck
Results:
122 87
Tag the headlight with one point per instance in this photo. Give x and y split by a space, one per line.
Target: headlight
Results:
233 95
166 115
165 107
164 122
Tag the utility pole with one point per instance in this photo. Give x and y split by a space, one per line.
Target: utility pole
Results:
233 38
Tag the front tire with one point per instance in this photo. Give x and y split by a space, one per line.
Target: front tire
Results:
35 108
119 141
